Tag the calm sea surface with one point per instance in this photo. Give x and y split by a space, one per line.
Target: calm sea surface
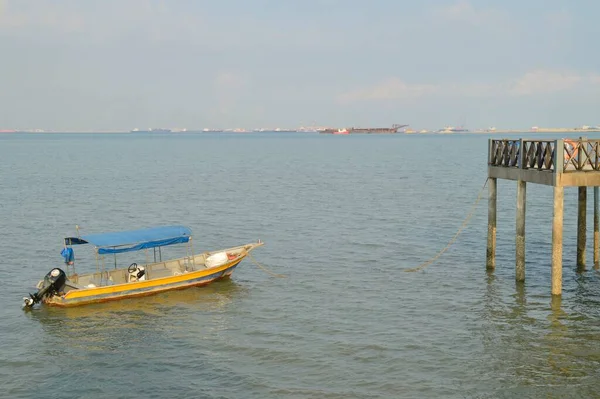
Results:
342 217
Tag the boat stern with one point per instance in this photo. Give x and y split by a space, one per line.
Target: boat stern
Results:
52 284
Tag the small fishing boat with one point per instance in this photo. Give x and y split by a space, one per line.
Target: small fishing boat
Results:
67 288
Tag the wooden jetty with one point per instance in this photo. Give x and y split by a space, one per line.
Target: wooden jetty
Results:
558 163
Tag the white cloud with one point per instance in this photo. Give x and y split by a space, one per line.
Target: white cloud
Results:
464 12
14 15
226 80
229 87
560 18
545 81
390 89
531 83
154 20
397 89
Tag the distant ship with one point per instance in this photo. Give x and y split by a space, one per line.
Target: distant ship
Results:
341 131
452 129
155 130
276 130
279 130
368 130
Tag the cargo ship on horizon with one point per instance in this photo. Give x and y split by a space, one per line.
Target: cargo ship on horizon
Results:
452 129
364 130
151 130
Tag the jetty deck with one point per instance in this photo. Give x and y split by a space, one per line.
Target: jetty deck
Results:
558 163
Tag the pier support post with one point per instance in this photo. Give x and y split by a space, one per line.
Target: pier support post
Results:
491 238
596 234
557 235
520 241
581 227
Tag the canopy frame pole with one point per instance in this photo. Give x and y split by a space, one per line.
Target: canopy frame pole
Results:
97 261
67 263
115 260
187 255
192 252
154 249
103 269
160 253
72 264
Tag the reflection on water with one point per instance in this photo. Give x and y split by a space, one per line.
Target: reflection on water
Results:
114 343
535 345
104 326
341 218
555 340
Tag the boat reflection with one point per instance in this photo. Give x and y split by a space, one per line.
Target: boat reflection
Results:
179 313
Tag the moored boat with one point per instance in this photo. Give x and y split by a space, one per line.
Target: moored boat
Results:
67 288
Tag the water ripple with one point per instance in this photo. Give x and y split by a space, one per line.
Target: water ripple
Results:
342 218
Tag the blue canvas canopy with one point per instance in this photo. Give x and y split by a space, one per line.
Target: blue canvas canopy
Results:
134 240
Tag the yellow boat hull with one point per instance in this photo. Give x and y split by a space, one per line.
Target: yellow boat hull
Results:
143 288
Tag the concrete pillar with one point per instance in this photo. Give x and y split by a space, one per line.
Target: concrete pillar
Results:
491 238
581 227
596 235
520 244
557 234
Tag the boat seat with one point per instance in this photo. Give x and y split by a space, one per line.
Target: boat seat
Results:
159 273
71 285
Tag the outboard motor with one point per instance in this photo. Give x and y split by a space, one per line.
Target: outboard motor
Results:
53 283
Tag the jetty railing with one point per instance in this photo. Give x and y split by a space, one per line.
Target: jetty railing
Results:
577 155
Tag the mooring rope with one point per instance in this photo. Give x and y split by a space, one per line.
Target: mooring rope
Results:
264 268
464 224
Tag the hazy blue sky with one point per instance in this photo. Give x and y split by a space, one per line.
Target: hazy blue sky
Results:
75 64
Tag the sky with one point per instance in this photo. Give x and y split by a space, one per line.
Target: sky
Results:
121 64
